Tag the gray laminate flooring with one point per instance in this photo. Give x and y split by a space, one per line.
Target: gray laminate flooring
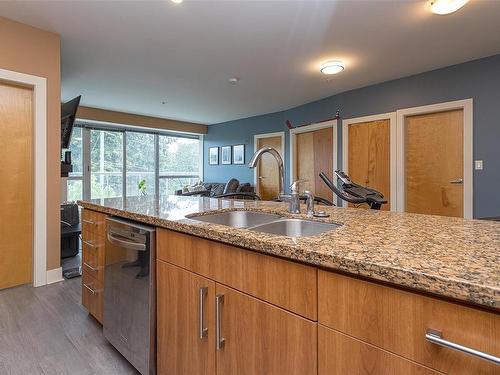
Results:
46 331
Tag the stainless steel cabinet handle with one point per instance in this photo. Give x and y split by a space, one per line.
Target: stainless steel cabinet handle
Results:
457 181
202 293
436 337
89 244
90 222
90 267
90 289
219 340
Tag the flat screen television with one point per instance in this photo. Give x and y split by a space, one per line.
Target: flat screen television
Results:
68 115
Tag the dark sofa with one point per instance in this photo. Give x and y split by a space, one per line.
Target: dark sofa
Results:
213 189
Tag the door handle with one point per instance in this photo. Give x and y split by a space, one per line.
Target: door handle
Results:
436 337
202 293
457 181
261 177
219 340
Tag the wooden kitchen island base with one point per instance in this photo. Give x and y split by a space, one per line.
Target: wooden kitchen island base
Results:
227 310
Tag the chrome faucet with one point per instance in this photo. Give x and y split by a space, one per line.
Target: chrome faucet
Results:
255 159
309 203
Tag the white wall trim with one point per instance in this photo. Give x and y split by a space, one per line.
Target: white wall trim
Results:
255 148
468 172
308 128
54 276
391 116
39 86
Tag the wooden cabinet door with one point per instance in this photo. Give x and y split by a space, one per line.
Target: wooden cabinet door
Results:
260 338
339 354
183 299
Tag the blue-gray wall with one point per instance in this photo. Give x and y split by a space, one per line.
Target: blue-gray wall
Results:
479 79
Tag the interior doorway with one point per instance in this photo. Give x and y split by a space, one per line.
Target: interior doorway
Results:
368 154
266 177
16 189
313 149
435 159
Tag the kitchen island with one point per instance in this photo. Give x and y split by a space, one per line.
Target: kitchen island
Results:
368 294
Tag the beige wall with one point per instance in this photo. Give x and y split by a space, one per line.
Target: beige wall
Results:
33 51
97 114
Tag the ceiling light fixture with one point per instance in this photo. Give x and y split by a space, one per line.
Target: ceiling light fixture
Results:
446 6
233 80
177 1
332 67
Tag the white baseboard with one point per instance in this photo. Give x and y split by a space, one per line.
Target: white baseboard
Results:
54 276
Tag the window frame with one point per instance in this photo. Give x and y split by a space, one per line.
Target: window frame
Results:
87 126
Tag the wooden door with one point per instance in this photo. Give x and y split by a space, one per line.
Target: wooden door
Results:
267 170
314 154
263 339
434 163
369 157
181 349
16 189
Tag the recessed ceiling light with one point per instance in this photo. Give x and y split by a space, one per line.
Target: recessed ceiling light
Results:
447 6
332 67
177 1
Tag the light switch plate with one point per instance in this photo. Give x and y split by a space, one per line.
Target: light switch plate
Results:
478 165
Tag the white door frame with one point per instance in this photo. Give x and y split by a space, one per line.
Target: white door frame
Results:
308 128
391 116
467 106
256 137
39 86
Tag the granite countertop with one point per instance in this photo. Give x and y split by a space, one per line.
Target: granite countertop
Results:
451 257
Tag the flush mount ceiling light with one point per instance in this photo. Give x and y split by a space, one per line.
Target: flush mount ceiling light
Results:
332 67
446 6
233 80
177 1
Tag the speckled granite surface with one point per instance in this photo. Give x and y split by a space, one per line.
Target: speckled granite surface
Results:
451 257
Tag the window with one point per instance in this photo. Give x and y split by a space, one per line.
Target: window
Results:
106 164
179 160
75 178
113 162
141 163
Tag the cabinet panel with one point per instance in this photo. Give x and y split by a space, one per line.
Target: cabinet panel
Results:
398 320
289 285
340 354
92 295
263 339
181 350
93 260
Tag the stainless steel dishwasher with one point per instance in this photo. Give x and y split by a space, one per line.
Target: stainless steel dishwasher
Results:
129 292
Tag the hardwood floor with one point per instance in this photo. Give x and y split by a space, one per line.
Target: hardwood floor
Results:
46 331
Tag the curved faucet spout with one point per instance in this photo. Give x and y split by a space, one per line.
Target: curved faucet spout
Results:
256 157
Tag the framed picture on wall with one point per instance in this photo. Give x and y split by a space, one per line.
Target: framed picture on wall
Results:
239 154
213 155
225 154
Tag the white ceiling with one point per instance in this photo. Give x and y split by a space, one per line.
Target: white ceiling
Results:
132 55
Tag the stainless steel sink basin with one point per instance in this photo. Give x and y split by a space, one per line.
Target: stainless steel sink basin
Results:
238 219
295 227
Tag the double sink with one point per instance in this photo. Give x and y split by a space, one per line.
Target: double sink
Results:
267 223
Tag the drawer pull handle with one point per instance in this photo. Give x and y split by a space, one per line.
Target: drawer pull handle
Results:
90 267
219 340
89 244
90 289
202 293
90 222
436 337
